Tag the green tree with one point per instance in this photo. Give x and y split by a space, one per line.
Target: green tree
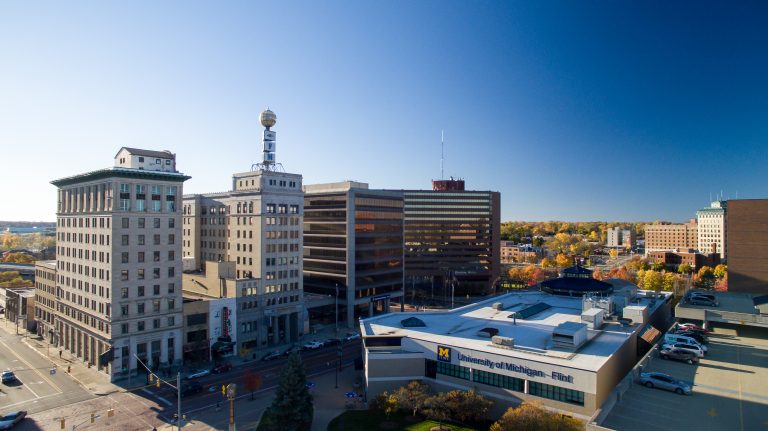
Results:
720 271
413 395
684 268
292 406
533 417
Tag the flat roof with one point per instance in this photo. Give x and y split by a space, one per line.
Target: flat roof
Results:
532 335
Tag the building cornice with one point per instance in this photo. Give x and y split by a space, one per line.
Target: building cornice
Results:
121 173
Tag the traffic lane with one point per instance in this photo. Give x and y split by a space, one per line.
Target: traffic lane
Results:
31 383
314 360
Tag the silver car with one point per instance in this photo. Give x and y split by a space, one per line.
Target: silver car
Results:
664 381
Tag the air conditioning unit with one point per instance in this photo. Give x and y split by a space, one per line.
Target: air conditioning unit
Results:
497 306
503 341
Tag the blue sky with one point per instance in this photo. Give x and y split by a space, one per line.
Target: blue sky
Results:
572 110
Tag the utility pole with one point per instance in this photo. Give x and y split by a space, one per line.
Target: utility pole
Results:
337 310
231 392
178 399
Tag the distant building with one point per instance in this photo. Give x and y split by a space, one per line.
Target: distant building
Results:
673 259
20 308
666 237
519 253
617 237
747 226
452 235
119 264
353 242
712 232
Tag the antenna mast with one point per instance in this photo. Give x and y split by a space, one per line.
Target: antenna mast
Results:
442 149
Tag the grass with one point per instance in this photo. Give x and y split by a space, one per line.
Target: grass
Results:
362 420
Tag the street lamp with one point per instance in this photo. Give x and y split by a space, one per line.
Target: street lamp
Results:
337 310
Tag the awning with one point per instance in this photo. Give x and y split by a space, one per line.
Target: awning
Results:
223 346
649 334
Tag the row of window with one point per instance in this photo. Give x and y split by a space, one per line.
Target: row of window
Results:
141 223
141 239
125 256
141 325
538 389
125 309
140 290
83 222
140 273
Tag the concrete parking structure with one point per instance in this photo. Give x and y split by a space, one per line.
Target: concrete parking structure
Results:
728 388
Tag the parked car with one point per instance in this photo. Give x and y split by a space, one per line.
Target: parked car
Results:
692 327
698 336
709 296
8 376
671 338
665 381
693 348
9 420
331 341
312 345
191 388
221 368
271 355
700 300
196 374
351 336
679 355
291 349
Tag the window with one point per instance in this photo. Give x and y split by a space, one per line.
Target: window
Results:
556 393
156 305
171 272
141 239
270 208
124 257
171 287
141 206
498 380
124 309
171 304
171 322
140 274
123 292
157 161
156 289
140 257
453 370
141 290
156 223
156 256
171 255
167 162
142 222
124 275
156 239
156 324
141 159
140 325
125 222
156 273
140 308
171 238
124 240
171 222
124 328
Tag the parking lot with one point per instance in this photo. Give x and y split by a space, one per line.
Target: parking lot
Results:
729 390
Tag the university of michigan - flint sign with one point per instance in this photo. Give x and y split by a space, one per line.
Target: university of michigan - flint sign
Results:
444 355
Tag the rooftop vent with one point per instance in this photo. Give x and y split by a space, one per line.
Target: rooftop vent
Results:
497 306
412 322
487 332
569 335
503 341
530 310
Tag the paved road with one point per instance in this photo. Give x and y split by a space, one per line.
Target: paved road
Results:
37 390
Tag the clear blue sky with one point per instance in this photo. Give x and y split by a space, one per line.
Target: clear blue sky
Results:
572 110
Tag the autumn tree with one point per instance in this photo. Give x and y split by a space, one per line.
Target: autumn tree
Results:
251 381
658 266
561 260
13 279
533 417
547 263
669 281
684 268
720 271
18 258
413 395
706 276
613 253
721 284
653 280
437 408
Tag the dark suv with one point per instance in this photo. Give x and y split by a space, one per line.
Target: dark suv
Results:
191 388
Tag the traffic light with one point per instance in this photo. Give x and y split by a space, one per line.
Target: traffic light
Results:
151 378
158 382
223 391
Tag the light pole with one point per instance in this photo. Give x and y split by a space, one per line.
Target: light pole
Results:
337 311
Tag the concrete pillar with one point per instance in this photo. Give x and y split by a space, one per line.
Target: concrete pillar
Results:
164 349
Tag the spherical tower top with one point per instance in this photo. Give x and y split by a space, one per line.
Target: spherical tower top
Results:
268 118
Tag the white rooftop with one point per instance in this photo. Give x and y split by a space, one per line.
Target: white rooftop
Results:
532 335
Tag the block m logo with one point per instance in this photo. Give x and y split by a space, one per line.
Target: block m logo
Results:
443 354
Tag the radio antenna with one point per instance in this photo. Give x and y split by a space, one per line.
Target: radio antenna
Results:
442 153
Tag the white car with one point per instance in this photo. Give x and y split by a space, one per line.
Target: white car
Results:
196 374
351 336
695 349
312 345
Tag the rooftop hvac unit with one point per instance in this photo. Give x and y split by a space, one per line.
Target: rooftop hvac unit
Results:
497 306
569 335
603 302
637 313
593 318
503 341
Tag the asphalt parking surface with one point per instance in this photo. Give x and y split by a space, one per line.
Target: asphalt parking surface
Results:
729 390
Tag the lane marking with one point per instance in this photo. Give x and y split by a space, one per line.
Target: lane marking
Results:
29 388
53 385
156 396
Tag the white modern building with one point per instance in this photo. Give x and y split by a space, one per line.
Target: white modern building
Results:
712 234
118 264
568 352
